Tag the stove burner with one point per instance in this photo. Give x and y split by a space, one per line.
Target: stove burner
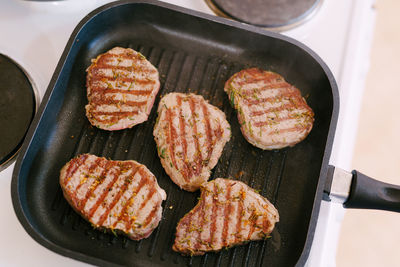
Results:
17 108
272 14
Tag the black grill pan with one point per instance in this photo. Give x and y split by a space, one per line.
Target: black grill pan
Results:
193 53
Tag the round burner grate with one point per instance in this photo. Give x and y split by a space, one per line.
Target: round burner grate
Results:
17 109
271 14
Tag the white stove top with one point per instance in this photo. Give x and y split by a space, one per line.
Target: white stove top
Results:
35 33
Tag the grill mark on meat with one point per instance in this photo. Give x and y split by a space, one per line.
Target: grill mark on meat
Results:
274 109
276 85
104 90
109 120
254 81
239 217
287 130
266 224
202 223
227 212
280 97
111 101
115 113
218 132
150 216
148 197
189 221
186 169
273 120
91 188
214 217
199 158
92 167
252 221
186 222
103 196
125 55
74 166
128 223
172 136
97 76
103 65
208 130
111 117
256 75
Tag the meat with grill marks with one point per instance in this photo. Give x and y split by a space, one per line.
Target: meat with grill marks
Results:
228 213
119 196
272 113
121 89
190 134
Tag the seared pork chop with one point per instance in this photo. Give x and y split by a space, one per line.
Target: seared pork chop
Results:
190 134
121 89
121 196
272 113
228 213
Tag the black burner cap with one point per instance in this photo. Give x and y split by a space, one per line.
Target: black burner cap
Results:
17 108
265 13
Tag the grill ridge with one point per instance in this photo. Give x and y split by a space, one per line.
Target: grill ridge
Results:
151 118
260 254
195 85
191 61
242 165
255 173
167 86
228 153
148 54
168 248
218 166
171 85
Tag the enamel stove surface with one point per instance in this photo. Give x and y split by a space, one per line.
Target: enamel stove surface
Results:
34 35
270 14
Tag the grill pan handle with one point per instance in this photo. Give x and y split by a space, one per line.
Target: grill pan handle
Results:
356 190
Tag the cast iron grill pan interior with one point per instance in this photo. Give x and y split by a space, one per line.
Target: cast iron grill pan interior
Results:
195 55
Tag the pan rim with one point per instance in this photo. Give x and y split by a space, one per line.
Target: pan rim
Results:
15 192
